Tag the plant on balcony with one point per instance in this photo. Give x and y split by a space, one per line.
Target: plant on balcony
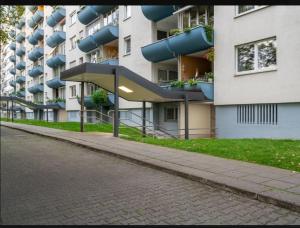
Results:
209 76
187 29
211 54
191 84
22 89
209 32
175 31
55 100
177 85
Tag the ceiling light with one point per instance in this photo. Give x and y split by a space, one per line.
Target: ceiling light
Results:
125 89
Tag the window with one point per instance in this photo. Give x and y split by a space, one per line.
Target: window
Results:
73 91
195 16
257 114
90 89
167 75
73 17
127 45
127 11
171 114
80 60
73 42
243 9
72 64
81 34
257 56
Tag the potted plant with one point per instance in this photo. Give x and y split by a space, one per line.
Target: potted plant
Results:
177 85
191 84
175 31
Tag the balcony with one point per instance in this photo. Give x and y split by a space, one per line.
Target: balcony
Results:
37 35
36 53
21 23
12 83
56 60
36 71
12 33
56 16
38 88
36 18
20 51
110 62
12 58
158 12
103 36
21 65
89 103
20 37
32 8
20 79
91 12
56 38
184 43
56 104
55 83
12 71
12 46
21 93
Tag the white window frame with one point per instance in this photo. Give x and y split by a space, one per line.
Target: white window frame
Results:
73 89
125 45
256 7
71 16
126 14
73 40
256 69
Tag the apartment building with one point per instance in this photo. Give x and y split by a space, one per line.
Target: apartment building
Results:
254 92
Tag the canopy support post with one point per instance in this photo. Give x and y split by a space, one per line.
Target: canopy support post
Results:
47 114
144 118
116 105
186 117
81 105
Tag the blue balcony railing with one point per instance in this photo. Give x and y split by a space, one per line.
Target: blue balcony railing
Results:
37 35
20 79
90 12
55 83
184 43
12 33
21 23
20 37
38 88
12 71
56 60
21 93
20 51
57 104
36 71
110 62
12 46
12 58
36 18
104 35
36 53
21 65
56 38
158 12
56 16
32 8
12 83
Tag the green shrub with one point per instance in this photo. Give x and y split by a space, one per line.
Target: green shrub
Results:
209 32
99 97
177 84
192 82
175 31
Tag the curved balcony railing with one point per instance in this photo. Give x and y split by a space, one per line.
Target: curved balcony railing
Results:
12 33
104 35
56 60
21 23
56 38
56 16
32 8
37 35
20 51
12 46
36 53
158 12
55 83
110 62
90 12
12 71
38 88
89 103
20 79
57 104
184 43
20 37
36 18
21 93
36 71
12 58
21 65
12 83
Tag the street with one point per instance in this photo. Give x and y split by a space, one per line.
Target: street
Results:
45 181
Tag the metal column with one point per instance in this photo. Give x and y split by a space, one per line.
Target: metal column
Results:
144 118
7 114
116 105
12 110
81 105
47 114
186 117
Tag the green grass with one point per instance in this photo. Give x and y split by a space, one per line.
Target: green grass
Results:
277 153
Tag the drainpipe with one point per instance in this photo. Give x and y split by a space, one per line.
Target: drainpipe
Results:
144 118
116 98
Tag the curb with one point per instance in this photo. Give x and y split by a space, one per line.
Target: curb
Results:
250 194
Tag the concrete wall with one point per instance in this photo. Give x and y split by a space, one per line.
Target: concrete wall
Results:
288 124
278 86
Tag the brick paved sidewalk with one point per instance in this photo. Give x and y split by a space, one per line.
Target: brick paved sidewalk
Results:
277 186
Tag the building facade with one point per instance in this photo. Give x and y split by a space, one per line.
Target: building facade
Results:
250 87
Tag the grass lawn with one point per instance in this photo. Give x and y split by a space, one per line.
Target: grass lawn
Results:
278 153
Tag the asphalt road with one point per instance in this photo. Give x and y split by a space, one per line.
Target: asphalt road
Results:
45 181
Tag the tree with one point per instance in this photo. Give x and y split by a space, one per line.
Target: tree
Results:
9 16
100 98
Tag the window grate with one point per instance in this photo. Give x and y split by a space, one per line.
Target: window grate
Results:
257 114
